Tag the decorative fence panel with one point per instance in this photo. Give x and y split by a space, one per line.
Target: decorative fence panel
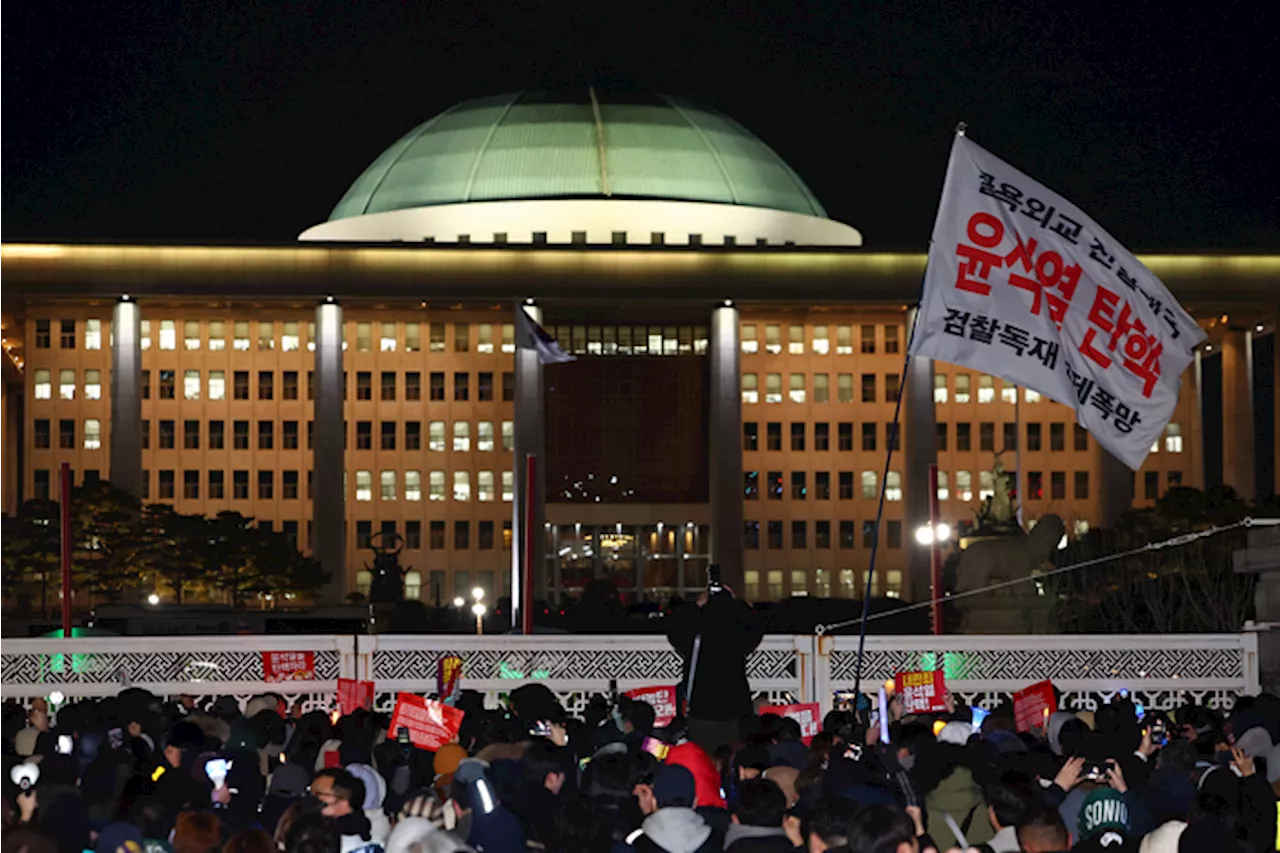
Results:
1159 670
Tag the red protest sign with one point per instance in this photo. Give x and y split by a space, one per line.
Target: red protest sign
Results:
921 692
288 666
449 678
663 700
354 694
1033 705
809 716
431 724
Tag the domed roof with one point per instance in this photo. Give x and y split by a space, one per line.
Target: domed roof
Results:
582 144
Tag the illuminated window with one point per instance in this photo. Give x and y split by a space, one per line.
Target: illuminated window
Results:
412 585
821 387
66 384
775 585
795 342
844 340
773 338
893 486
437 337
1079 527
869 491
484 436
191 385
1173 438
1030 396
797 387
1008 392
145 330
986 485
240 336
986 388
191 335
266 335
364 337
290 339
93 384
750 388
168 335
964 485
484 485
962 387
944 492
462 485
435 436
92 434
848 584
43 385
435 485
821 343
217 336
773 388
364 485
461 436
508 338
939 388
751 580
508 486
893 579
750 344
799 582
413 485
387 481
484 338
508 435
844 388
387 340
412 337
93 334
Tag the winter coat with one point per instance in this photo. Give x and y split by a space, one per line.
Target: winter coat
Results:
959 796
674 830
730 631
757 839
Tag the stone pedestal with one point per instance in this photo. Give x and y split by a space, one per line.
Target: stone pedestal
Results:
994 613
1262 557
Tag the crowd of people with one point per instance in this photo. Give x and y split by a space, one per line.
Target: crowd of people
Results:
135 774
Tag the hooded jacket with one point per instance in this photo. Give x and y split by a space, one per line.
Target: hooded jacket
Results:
674 830
375 790
742 838
959 796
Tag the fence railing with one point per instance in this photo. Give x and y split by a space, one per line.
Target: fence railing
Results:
1162 670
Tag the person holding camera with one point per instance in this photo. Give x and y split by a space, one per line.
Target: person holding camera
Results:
714 639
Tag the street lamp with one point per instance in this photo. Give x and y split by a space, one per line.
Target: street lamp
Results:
478 609
153 599
459 602
927 534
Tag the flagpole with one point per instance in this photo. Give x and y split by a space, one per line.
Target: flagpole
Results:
1017 451
892 438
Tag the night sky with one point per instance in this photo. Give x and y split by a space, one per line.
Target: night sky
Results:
247 121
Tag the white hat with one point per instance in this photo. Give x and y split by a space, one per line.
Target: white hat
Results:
956 732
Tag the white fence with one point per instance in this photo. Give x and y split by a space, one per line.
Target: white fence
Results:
1160 670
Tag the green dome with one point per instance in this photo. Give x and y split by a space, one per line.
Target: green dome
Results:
584 144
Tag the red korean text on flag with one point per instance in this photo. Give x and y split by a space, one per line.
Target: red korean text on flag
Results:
808 715
353 695
663 700
921 692
288 666
1024 285
430 724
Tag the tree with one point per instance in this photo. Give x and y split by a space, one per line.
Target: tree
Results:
105 521
31 550
174 548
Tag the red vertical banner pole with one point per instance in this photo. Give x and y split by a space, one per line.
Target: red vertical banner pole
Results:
935 553
526 568
64 544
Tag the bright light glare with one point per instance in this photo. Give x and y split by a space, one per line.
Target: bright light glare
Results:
459 601
57 698
924 535
153 599
477 593
1062 543
478 609
944 532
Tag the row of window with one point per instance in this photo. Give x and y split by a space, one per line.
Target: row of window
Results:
866 486
436 588
797 390
214 385
850 581
847 534
820 343
213 335
986 389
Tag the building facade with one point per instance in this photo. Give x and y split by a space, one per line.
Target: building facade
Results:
740 361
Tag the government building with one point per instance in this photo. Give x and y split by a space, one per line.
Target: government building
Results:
739 359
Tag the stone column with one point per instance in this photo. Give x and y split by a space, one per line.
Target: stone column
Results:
918 441
724 446
126 397
1238 450
329 497
530 438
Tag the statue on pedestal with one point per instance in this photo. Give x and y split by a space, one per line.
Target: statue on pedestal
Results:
998 515
387 585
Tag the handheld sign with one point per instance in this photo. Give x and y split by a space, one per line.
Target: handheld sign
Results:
921 692
808 715
663 700
1033 705
430 724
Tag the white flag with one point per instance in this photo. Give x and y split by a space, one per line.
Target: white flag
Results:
529 335
1022 284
